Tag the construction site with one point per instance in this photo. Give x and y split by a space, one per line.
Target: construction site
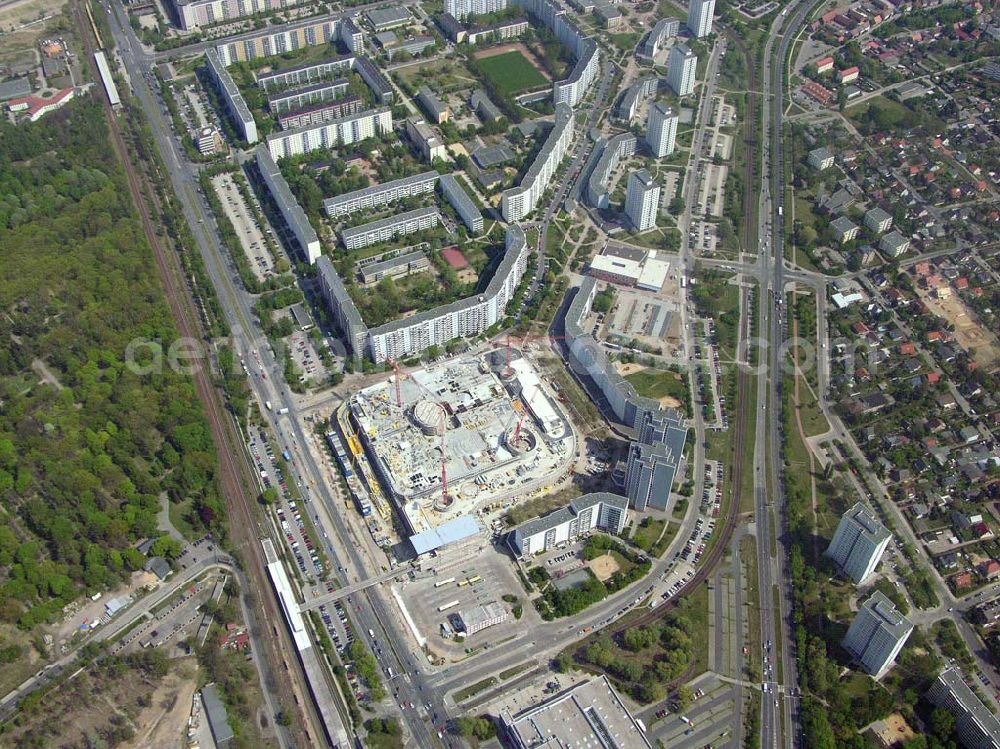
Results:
468 435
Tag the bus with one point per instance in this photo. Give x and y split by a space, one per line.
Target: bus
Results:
474 580
449 605
442 583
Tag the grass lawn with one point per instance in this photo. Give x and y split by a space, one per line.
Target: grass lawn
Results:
512 72
178 512
657 383
648 533
538 506
625 42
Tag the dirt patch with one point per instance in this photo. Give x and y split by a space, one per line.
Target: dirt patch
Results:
970 333
625 369
164 722
603 566
524 49
668 401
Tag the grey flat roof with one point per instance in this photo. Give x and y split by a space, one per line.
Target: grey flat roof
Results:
289 206
570 511
312 87
332 280
430 100
490 156
225 80
645 178
458 197
879 606
462 527
843 224
372 75
383 16
218 720
347 197
506 264
590 714
866 521
969 703
683 50
335 61
393 262
479 99
878 214
14 88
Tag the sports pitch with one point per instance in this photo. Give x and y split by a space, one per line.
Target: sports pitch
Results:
512 72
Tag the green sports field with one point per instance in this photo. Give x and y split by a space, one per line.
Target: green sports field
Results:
511 72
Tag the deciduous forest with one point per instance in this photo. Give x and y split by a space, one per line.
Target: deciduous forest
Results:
87 447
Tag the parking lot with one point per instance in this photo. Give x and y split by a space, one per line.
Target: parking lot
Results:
250 233
433 600
304 354
704 238
287 509
707 721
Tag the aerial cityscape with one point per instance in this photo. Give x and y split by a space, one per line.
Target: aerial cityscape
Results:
525 374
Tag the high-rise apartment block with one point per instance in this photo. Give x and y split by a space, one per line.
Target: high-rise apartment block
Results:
700 14
877 634
681 69
858 544
661 133
642 200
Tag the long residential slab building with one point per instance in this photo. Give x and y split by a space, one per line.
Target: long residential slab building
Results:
339 132
303 96
975 725
612 152
391 227
231 97
295 218
193 14
459 199
517 202
415 334
584 49
322 70
601 510
378 195
312 32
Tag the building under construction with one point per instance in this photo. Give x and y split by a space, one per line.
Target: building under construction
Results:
461 435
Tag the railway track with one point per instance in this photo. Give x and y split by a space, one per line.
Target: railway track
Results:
749 240
233 477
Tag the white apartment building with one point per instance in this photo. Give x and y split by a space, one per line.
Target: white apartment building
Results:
858 543
877 634
388 228
231 97
295 218
977 727
700 14
462 8
518 202
572 90
193 14
601 510
661 132
467 317
642 200
340 132
681 68
377 195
